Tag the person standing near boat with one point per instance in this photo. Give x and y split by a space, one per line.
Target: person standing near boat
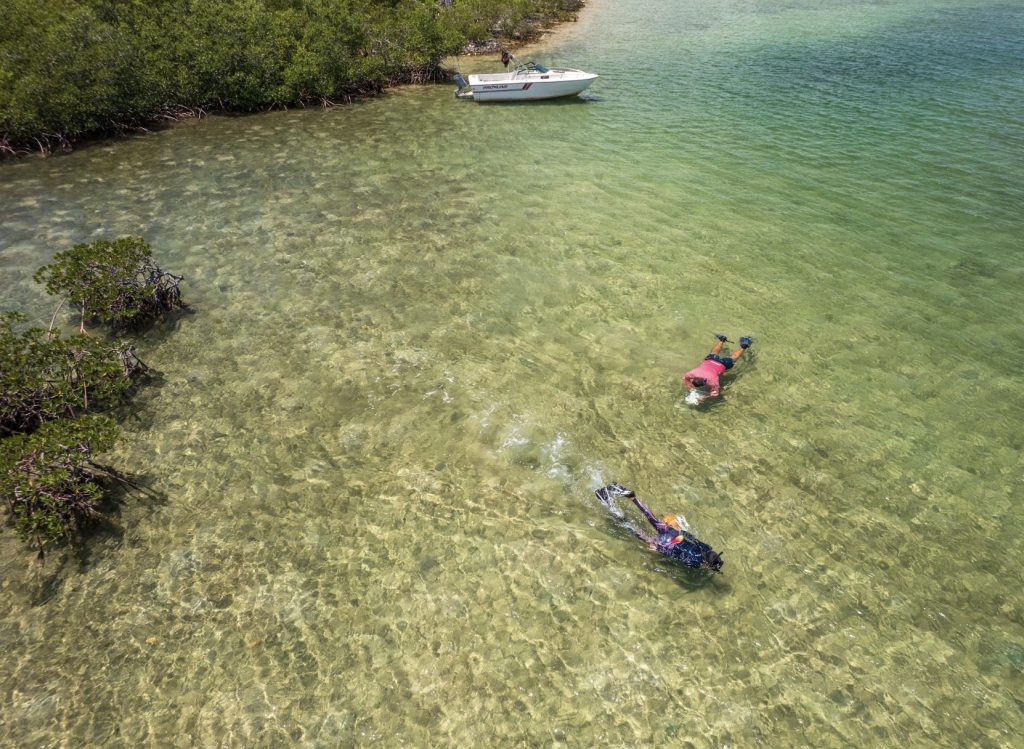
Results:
506 57
714 365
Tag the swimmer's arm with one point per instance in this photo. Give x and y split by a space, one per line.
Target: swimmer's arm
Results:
649 540
647 513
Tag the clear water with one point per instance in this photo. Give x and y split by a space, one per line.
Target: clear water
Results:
424 330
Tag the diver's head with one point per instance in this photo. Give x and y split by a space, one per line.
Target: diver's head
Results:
698 382
713 560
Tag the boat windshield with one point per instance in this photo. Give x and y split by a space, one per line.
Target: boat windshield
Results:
532 67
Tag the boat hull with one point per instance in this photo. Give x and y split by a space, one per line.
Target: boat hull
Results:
510 87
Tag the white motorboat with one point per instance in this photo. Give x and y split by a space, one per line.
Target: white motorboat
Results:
525 82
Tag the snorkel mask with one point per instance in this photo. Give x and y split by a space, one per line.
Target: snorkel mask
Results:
713 560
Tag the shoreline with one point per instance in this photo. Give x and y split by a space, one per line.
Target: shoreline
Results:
538 29
477 52
527 32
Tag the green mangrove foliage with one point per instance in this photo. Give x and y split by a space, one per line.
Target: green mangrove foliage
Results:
54 388
114 282
46 376
70 68
49 481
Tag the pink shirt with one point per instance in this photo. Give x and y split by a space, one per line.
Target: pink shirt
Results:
709 370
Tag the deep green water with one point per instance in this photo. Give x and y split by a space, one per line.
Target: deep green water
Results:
422 331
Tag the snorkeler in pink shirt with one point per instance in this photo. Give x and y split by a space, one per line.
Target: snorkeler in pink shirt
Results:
713 366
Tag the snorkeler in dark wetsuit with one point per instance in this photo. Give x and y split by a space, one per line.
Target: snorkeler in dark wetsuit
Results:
672 540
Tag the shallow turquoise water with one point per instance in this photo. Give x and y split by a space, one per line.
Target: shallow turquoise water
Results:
424 330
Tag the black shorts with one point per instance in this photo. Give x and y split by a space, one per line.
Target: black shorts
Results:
727 361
